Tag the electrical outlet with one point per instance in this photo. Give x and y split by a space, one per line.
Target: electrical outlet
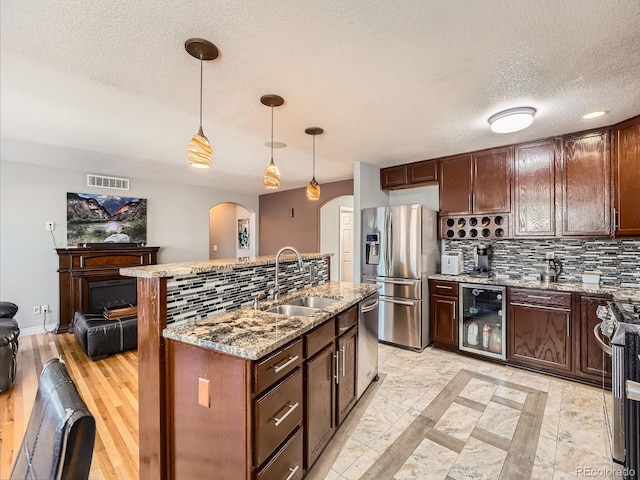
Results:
44 308
50 226
36 310
550 255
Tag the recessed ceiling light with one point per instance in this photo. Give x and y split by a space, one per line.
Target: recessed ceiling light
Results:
594 114
512 120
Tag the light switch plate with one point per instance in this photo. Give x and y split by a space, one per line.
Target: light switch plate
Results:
203 392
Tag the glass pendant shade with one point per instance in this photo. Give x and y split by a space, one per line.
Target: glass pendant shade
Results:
271 176
313 190
199 151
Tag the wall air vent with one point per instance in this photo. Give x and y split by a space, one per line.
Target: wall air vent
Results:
107 182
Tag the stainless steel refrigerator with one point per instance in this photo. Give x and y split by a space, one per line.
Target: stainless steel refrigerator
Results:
399 251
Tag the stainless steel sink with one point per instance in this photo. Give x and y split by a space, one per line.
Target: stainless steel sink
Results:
313 302
291 310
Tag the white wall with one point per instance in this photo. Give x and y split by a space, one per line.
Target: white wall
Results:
330 231
367 193
428 196
222 231
30 195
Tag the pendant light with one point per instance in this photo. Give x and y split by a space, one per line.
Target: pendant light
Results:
271 177
199 151
313 189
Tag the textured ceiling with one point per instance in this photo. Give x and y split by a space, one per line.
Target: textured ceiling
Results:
107 87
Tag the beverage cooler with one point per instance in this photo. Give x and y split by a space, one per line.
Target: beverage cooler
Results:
482 320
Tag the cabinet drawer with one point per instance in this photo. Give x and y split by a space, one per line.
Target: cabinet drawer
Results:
277 365
346 320
440 287
287 464
278 413
318 338
540 298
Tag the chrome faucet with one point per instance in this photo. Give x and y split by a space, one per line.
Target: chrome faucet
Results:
276 287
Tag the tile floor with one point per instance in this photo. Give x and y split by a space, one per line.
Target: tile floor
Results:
442 416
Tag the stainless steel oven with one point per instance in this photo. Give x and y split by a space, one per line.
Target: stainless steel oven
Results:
621 325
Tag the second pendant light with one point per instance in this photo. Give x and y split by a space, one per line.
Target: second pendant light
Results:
271 177
313 189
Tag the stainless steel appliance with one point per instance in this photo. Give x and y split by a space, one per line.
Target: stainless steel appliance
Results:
367 343
552 270
482 320
621 324
400 251
482 261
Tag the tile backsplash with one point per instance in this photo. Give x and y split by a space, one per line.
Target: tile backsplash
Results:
195 297
616 260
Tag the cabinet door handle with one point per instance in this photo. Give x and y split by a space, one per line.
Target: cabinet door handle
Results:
541 297
615 219
469 203
279 368
540 307
293 472
445 287
343 361
337 376
473 202
568 326
289 412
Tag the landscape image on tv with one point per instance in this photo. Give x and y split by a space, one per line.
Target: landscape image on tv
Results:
95 218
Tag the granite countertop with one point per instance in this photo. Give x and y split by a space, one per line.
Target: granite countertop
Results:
252 334
227 264
618 293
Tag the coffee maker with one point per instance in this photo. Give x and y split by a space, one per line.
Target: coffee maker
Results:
482 261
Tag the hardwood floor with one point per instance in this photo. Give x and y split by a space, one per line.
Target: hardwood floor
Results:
109 387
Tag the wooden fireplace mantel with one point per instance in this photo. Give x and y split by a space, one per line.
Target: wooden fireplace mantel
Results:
79 266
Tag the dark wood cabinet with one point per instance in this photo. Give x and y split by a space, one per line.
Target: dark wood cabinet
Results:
455 185
347 379
393 177
592 363
409 175
585 171
444 313
626 177
479 183
534 189
539 329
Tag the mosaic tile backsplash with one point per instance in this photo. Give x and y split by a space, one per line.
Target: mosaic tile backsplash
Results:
617 261
195 297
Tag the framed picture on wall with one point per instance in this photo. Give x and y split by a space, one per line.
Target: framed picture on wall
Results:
243 233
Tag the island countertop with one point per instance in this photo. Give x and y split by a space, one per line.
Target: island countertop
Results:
205 266
252 333
619 293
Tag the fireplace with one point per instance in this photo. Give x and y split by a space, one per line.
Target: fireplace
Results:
110 294
92 272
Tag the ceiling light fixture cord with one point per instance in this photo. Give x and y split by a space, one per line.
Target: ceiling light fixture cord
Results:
201 62
272 133
314 157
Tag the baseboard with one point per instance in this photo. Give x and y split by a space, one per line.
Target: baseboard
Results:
26 332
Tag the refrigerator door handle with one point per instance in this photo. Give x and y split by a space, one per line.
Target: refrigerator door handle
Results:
395 282
409 303
387 253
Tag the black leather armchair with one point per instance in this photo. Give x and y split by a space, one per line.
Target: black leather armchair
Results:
58 443
9 332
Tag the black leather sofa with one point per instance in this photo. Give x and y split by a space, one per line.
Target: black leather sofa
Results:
9 332
99 337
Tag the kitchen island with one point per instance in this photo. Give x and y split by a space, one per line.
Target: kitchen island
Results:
200 377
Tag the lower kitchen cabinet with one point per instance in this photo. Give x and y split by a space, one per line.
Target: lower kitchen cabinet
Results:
444 313
347 379
593 363
539 329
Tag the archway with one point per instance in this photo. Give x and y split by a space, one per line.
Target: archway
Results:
333 227
232 231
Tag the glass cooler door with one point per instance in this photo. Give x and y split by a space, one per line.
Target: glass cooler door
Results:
482 320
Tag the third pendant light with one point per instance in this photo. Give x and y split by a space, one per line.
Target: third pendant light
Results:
271 177
313 189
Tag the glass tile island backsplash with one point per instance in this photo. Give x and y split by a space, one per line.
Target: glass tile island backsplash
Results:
617 261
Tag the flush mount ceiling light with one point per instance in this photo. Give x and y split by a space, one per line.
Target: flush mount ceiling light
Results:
199 151
271 177
594 114
313 189
512 120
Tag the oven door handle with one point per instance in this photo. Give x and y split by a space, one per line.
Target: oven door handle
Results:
603 346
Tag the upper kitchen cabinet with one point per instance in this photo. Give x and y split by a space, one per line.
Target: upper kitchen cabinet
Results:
409 175
534 189
585 182
479 183
626 177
